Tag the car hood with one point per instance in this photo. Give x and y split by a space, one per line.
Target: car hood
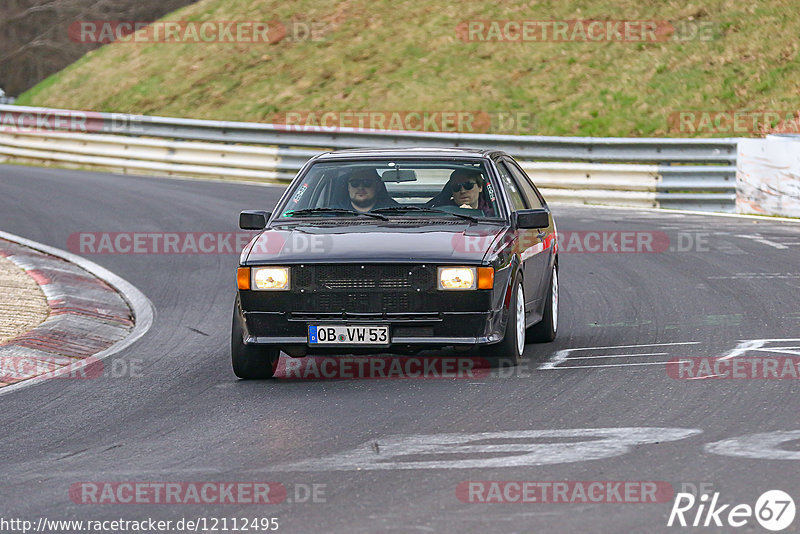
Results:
373 242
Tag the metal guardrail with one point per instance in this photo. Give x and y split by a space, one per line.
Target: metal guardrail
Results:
154 156
677 173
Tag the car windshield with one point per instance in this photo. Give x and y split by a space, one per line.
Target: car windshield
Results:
395 188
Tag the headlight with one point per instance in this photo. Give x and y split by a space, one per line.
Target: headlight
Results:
457 278
274 278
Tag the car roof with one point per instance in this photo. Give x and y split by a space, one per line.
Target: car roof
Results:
431 152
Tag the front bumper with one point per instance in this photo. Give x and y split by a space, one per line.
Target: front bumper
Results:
459 329
404 297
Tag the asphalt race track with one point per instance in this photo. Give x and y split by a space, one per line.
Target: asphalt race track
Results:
183 417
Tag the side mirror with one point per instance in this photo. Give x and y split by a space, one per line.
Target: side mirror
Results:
533 218
253 219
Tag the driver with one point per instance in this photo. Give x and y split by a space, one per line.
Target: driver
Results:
366 191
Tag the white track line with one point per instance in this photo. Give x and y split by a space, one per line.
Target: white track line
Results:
611 365
636 346
563 355
764 241
743 347
617 356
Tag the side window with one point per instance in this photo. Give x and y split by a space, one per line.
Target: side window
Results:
511 187
534 201
528 189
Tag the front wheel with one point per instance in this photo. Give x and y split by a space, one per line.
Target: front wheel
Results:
509 351
546 330
250 362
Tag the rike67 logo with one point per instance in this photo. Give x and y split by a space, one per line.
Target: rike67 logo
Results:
774 510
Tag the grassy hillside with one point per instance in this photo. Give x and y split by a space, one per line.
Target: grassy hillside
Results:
406 55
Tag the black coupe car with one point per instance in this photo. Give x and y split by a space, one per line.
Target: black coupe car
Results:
397 251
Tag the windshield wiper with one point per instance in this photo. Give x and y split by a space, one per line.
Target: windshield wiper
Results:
312 211
400 209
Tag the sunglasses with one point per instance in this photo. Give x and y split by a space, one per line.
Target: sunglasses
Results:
467 186
358 182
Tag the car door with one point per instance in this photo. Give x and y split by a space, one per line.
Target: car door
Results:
535 201
528 241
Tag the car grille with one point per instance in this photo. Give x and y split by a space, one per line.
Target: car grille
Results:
360 277
362 288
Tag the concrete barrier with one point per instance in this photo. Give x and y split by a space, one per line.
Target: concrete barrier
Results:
768 176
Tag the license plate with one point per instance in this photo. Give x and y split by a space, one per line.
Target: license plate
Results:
348 335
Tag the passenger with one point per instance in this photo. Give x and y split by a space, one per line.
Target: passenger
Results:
366 191
465 190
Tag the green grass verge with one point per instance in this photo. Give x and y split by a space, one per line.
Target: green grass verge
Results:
404 56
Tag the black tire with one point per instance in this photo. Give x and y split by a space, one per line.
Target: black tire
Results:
508 353
250 362
545 330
